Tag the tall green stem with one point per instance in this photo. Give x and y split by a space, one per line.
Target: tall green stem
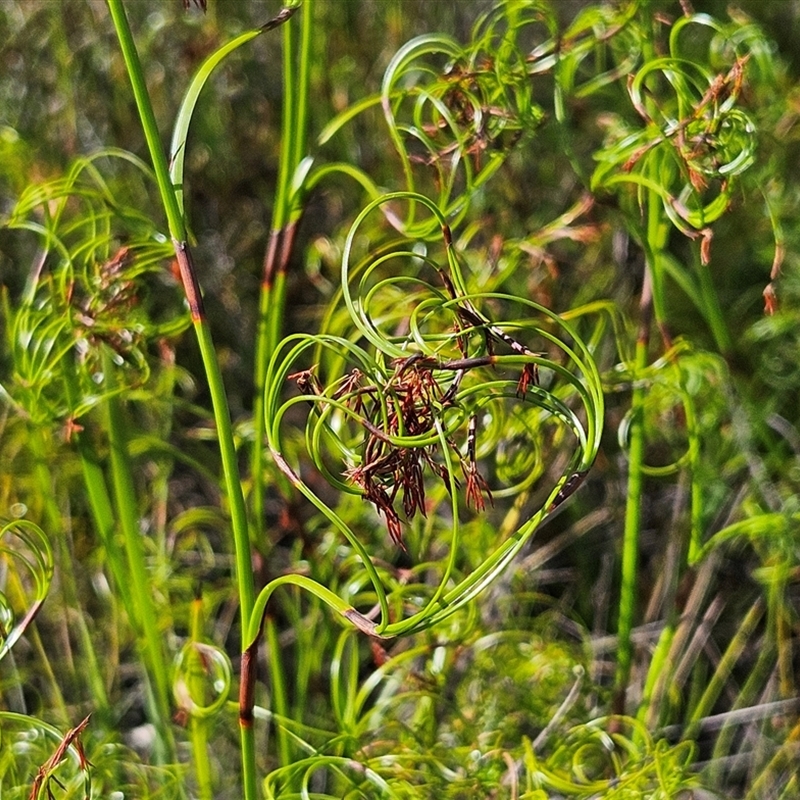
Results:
205 342
713 312
148 119
279 700
128 516
650 303
630 543
272 300
41 448
233 486
199 725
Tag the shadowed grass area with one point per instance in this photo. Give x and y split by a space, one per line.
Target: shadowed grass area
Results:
398 399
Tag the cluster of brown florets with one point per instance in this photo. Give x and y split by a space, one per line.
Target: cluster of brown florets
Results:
406 405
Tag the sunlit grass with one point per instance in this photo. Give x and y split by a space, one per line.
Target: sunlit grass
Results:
489 490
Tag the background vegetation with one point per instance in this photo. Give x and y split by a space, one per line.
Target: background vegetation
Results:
620 183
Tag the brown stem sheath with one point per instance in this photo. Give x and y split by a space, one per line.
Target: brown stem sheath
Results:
189 279
247 685
271 259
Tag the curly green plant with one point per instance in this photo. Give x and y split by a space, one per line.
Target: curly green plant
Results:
27 559
80 336
396 402
434 405
611 758
680 169
454 113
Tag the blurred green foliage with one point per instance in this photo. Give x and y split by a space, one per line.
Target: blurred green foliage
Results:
512 696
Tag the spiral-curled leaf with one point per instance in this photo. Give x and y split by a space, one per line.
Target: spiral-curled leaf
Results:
91 289
26 559
599 35
696 138
433 401
202 679
182 121
614 757
454 112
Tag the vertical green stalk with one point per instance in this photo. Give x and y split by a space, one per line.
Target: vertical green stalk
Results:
146 620
633 504
205 342
713 312
198 726
148 119
94 481
280 705
649 713
233 486
633 514
102 512
88 666
285 217
51 514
